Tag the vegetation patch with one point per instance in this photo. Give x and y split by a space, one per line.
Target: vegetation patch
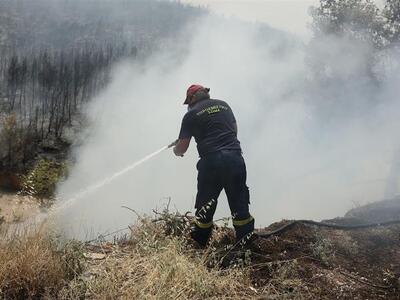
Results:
37 265
41 181
154 264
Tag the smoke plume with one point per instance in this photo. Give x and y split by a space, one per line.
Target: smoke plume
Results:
314 148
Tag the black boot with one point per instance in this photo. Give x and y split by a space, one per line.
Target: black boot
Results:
243 228
201 235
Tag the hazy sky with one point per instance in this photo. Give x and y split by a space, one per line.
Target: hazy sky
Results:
288 15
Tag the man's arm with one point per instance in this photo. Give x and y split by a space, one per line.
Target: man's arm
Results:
235 127
181 146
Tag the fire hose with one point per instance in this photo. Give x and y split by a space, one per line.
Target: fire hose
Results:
290 225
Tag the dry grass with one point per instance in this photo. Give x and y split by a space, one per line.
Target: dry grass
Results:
159 266
285 282
153 263
36 265
323 249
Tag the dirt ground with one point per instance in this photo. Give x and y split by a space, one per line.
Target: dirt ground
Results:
333 264
16 208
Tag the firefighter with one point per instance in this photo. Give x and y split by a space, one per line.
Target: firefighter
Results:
221 166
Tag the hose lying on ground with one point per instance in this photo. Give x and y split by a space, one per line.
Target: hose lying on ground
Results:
286 227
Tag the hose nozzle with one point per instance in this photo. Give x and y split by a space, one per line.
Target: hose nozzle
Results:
173 143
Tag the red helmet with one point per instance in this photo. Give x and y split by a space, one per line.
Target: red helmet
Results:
193 89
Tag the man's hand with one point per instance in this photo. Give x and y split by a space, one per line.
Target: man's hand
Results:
181 147
177 153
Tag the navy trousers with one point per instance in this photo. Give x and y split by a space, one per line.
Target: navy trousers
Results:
226 170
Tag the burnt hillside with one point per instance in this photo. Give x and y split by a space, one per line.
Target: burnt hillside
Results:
55 56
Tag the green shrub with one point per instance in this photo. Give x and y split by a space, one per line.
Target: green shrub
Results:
41 181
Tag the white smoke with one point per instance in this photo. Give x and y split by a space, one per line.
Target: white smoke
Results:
313 149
